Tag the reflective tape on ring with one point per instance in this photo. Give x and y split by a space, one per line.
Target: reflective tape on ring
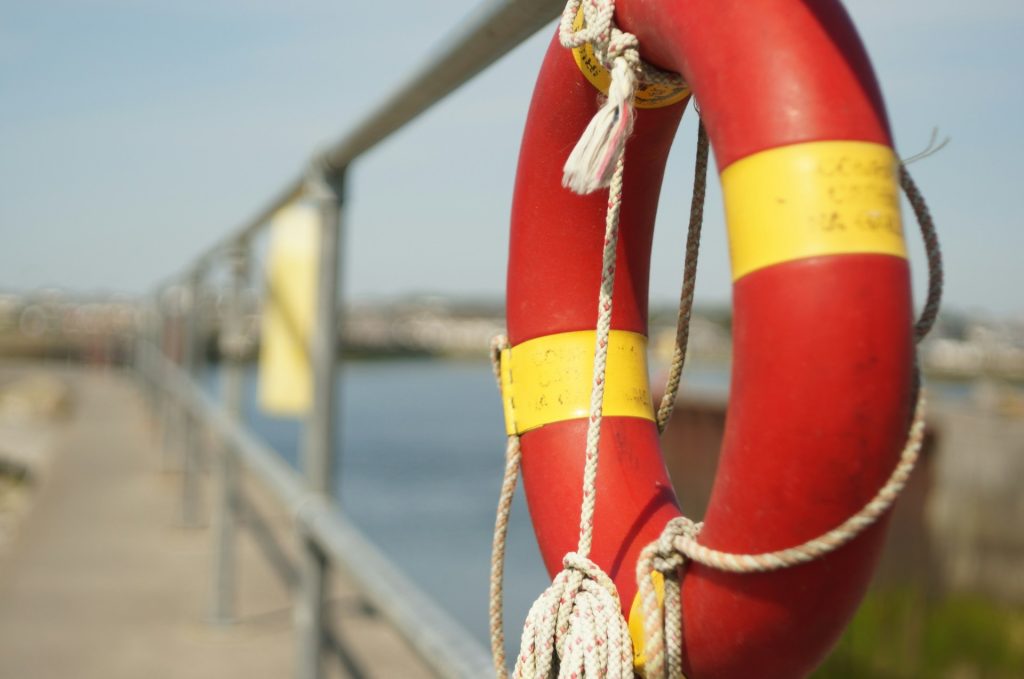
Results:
549 379
647 95
812 199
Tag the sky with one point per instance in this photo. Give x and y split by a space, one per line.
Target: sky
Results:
135 133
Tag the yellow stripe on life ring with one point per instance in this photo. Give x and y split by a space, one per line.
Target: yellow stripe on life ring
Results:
811 199
647 95
549 379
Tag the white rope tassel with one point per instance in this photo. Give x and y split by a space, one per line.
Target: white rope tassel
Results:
577 617
592 162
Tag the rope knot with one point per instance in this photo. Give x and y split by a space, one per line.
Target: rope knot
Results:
665 557
584 574
592 162
622 47
662 634
578 617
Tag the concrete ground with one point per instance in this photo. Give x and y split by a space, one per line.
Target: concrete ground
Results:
99 578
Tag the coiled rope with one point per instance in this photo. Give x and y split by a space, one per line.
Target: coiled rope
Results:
575 628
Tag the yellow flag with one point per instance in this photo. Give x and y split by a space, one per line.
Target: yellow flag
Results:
289 309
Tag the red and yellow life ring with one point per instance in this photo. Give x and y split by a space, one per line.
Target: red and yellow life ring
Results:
822 380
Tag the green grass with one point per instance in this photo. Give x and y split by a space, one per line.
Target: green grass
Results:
904 634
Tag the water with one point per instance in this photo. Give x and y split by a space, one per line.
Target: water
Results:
421 453
421 446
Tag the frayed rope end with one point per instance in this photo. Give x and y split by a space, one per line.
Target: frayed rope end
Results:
592 162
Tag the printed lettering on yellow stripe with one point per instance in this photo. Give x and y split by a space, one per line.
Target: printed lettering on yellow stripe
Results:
806 200
549 379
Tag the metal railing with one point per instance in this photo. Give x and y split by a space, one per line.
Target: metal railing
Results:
327 537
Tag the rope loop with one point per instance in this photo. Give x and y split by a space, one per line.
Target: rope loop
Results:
608 41
499 343
662 636
593 160
665 558
828 542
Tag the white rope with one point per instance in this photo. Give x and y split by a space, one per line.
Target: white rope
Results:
592 162
513 457
700 173
687 545
508 488
663 644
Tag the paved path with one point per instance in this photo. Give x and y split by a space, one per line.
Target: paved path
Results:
102 581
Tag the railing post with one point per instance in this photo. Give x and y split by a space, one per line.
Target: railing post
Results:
156 355
225 510
192 440
154 337
148 365
170 420
318 452
135 365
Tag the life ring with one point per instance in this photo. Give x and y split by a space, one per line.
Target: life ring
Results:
822 381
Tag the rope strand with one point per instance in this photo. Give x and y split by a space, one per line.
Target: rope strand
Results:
931 245
513 456
700 174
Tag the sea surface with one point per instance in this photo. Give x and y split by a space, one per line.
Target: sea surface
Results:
420 452
420 446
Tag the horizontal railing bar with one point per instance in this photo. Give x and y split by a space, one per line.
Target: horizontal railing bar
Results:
440 641
292 192
288 573
484 37
427 627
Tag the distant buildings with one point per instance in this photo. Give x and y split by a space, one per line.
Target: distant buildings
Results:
52 322
966 348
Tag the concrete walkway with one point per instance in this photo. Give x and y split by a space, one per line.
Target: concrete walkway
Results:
102 581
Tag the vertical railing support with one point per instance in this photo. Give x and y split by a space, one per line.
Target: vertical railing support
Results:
156 349
170 420
154 341
136 364
151 365
233 349
192 440
318 453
